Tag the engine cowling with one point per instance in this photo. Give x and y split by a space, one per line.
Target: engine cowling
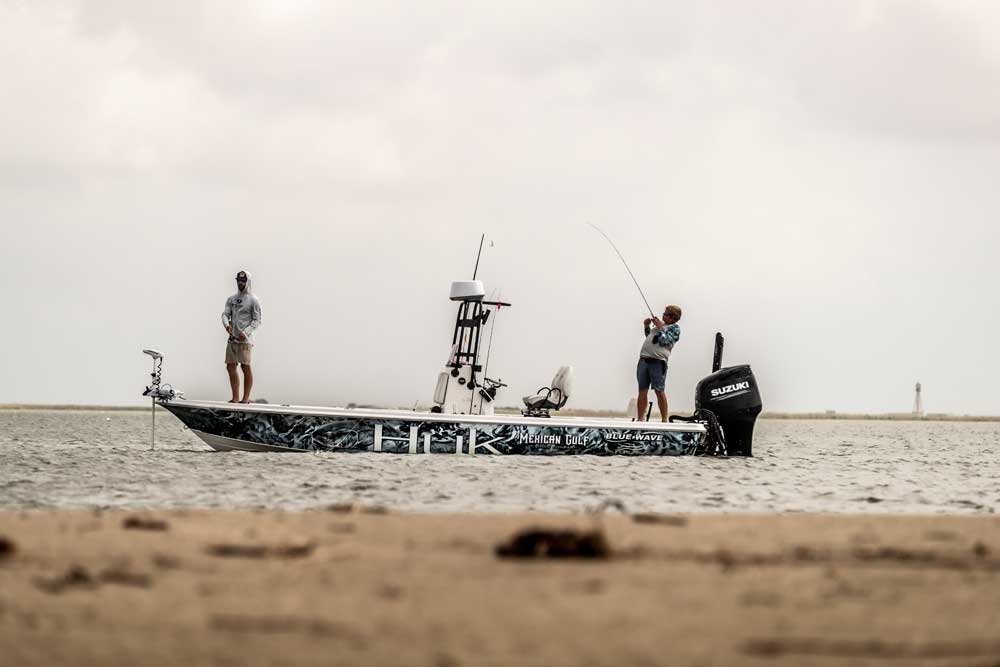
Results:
732 395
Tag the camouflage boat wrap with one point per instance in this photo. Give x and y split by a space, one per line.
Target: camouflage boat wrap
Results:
427 433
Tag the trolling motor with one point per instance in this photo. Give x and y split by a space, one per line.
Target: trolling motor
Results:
165 392
156 391
727 402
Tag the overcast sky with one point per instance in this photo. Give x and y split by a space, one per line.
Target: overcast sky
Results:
817 180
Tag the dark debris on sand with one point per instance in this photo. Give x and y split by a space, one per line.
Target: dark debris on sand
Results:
662 519
123 577
356 508
7 547
869 648
77 576
141 523
543 543
229 550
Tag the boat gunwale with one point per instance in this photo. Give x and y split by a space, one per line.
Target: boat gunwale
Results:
556 421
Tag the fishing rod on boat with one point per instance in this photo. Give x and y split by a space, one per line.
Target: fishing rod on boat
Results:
489 387
489 345
631 275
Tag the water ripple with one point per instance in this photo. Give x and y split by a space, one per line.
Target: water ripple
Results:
103 459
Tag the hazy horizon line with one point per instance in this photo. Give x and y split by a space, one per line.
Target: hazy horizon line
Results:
582 412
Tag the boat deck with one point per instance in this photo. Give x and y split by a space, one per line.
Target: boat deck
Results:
556 420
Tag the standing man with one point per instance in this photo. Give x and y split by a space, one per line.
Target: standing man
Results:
240 317
661 335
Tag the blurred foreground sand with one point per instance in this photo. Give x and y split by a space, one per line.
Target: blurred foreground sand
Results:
354 588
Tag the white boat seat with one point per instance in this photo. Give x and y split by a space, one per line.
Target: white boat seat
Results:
546 398
552 397
441 389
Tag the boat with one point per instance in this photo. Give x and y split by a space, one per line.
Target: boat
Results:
463 420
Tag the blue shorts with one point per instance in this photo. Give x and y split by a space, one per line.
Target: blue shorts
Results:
651 373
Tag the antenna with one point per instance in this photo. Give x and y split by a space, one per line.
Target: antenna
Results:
478 255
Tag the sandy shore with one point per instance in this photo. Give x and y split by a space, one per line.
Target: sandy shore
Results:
350 588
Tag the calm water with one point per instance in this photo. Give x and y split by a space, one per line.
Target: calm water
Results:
103 460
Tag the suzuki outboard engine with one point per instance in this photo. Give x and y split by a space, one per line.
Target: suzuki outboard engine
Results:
731 394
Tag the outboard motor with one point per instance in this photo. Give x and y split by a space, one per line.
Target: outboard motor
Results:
731 394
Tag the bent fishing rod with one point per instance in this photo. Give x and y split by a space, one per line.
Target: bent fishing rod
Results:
631 275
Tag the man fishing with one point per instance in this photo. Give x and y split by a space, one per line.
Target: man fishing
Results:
240 317
661 336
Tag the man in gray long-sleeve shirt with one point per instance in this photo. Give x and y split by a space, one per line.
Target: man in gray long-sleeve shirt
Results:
240 317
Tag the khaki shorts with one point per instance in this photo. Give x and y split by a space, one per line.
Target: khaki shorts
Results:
238 353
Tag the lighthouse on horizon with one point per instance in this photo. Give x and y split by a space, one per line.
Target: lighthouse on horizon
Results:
918 404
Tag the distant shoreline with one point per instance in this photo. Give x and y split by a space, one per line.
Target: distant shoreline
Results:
890 416
895 417
902 416
71 408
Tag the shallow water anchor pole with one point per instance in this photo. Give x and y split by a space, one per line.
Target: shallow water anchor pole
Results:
153 390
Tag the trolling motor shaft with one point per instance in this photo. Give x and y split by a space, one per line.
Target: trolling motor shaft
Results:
156 391
153 390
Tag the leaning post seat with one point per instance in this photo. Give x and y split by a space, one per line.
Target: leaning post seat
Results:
552 397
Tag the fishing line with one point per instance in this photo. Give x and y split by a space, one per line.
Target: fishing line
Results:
489 346
631 275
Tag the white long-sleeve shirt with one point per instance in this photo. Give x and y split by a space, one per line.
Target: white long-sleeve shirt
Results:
242 312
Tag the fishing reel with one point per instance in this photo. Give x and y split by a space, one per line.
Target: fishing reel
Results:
489 389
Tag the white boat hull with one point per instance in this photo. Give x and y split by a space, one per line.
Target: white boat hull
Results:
223 444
